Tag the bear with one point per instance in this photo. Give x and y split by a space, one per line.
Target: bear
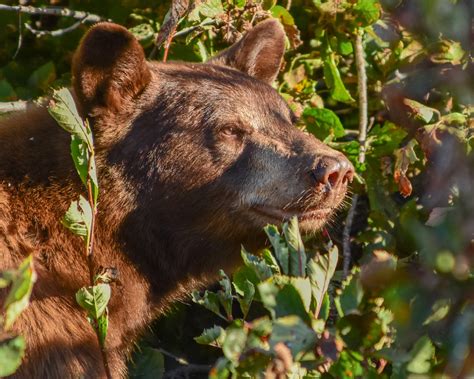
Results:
193 160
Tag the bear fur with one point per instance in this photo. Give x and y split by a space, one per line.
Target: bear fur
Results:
193 160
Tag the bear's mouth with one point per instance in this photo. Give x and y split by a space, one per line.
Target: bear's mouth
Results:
280 214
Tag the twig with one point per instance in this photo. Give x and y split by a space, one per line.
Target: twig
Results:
54 33
180 360
186 371
64 12
362 92
20 37
185 32
168 44
14 106
346 236
191 29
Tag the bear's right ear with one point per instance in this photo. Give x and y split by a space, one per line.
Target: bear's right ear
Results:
259 53
108 68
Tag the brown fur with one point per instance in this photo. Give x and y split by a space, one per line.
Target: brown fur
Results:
193 160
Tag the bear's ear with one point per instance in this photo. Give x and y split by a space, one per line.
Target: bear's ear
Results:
108 68
258 53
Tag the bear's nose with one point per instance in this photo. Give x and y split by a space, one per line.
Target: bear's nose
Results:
333 172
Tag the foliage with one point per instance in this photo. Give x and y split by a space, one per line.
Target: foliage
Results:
406 307
80 217
20 284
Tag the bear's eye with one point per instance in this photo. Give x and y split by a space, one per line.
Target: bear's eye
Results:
231 131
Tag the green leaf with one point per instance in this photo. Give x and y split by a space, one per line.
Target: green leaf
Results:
94 299
246 292
282 14
294 333
348 366
19 295
221 370
78 218
102 327
260 267
325 308
322 122
214 336
448 51
333 80
210 8
148 363
420 111
225 295
320 271
209 300
12 351
367 12
282 301
303 286
295 247
279 247
344 45
350 296
454 118
80 156
63 110
43 76
7 92
144 33
234 342
421 356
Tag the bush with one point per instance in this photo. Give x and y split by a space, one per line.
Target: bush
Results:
385 82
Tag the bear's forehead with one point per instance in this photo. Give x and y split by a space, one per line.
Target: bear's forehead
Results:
229 92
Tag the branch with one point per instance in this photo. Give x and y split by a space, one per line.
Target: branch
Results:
362 95
362 92
54 33
63 12
15 106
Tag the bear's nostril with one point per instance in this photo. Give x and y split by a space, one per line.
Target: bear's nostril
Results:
333 178
332 172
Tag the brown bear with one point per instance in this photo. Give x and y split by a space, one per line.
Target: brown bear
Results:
193 160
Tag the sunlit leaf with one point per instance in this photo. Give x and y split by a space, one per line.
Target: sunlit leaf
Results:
12 351
322 122
294 333
94 299
320 271
213 336
297 254
17 300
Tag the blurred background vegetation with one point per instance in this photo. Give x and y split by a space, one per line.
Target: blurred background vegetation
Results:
406 239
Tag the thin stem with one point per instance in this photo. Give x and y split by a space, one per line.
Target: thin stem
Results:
168 44
63 12
362 95
346 236
362 92
90 256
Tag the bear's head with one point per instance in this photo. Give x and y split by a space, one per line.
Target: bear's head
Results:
208 149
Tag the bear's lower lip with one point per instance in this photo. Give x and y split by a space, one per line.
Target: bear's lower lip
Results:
279 214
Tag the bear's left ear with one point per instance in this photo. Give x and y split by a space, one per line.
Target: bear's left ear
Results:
108 68
258 53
